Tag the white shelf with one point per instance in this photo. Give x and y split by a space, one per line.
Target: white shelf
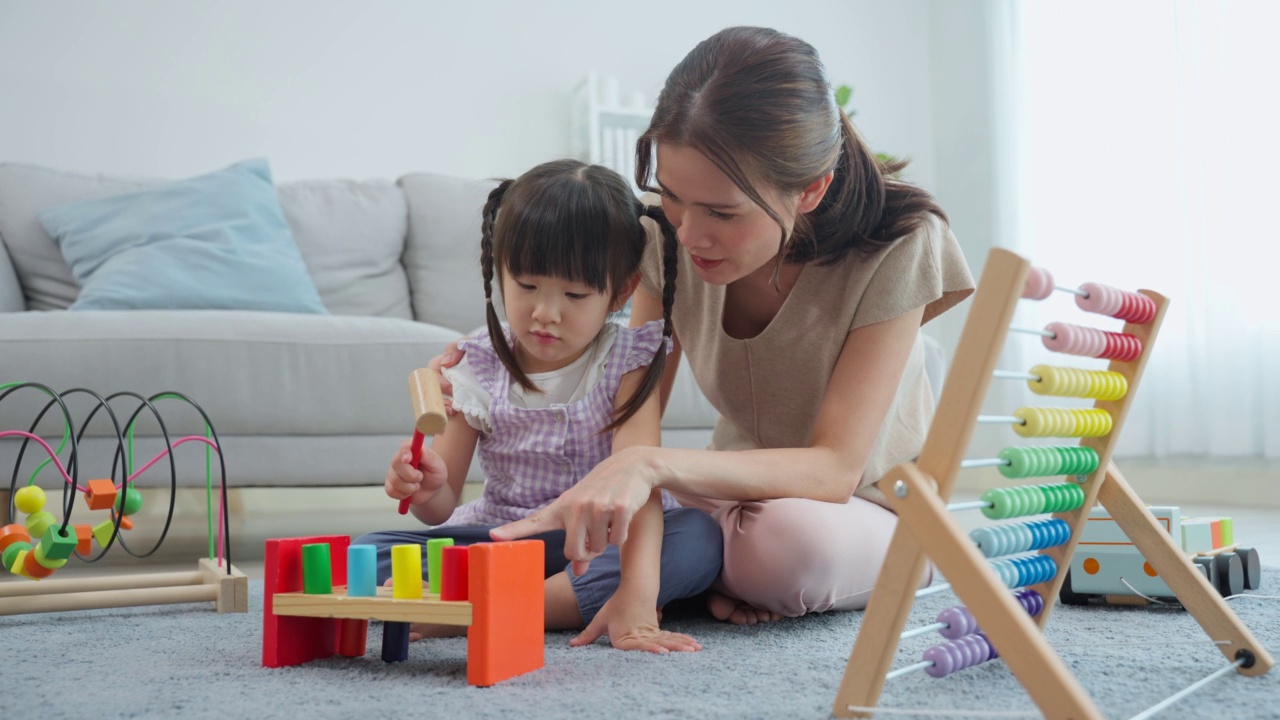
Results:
602 130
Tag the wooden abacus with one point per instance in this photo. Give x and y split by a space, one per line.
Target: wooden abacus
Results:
919 492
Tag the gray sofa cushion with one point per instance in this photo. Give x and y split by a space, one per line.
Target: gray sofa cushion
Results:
255 373
11 299
352 236
442 255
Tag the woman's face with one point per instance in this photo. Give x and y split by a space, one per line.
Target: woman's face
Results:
727 236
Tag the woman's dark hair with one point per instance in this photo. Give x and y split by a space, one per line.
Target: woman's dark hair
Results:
757 104
581 223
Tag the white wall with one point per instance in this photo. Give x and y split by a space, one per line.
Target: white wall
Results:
380 88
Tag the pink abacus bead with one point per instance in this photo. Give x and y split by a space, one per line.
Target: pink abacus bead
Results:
1122 347
1100 299
1074 340
1106 300
1137 308
1039 284
959 620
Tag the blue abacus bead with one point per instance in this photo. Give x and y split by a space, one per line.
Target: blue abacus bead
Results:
1030 601
987 540
959 620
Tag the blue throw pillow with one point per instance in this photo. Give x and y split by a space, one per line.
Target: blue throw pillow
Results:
213 242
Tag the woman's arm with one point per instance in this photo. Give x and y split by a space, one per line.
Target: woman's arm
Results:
858 397
455 446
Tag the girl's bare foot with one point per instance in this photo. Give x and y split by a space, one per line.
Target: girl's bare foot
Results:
737 612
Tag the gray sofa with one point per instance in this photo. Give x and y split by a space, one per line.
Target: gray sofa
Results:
297 400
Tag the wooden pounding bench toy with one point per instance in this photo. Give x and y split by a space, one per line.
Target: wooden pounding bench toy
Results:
320 593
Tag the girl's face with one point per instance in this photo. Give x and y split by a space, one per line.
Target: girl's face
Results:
727 236
552 319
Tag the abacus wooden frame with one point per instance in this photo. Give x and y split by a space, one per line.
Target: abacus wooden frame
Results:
919 492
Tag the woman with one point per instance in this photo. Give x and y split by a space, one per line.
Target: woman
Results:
805 271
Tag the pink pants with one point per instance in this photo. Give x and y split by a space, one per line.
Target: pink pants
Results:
795 556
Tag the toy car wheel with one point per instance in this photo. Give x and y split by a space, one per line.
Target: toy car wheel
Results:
1230 572
1068 596
1252 567
1206 566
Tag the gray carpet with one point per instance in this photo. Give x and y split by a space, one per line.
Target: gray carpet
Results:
185 661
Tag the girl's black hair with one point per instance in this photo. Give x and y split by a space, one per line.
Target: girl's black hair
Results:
578 222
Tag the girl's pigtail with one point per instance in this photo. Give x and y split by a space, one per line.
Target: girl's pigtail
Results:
653 376
496 334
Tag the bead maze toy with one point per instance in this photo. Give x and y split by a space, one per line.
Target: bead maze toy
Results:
995 622
42 545
321 593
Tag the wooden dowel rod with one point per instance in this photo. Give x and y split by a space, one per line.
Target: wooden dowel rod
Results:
108 599
22 588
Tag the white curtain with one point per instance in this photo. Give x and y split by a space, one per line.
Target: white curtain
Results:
1139 149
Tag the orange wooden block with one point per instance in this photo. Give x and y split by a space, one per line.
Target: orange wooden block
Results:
506 591
10 534
1216 530
100 494
84 539
126 523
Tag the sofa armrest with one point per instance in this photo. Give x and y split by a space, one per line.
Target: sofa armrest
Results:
11 299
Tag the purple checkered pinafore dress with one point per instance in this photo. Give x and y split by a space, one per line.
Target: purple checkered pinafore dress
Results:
532 456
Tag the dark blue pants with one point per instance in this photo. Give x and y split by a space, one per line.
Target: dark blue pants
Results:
692 552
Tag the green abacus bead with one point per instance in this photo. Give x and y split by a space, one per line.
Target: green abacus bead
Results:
317 572
1017 467
999 504
12 552
132 500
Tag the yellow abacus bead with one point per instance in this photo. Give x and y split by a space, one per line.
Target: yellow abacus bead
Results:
29 499
39 522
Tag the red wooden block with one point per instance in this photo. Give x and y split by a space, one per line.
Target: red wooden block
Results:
506 592
453 573
288 640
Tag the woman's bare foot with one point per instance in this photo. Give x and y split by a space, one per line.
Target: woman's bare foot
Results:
737 612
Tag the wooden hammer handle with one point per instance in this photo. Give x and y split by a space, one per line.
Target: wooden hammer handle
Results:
428 414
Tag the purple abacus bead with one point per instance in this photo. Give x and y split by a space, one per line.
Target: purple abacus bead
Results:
958 654
959 620
1031 601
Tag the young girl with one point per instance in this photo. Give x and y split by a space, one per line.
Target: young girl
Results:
553 395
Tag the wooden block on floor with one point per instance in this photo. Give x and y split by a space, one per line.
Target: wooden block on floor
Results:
233 587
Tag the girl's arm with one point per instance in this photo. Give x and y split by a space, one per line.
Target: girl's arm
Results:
630 617
455 446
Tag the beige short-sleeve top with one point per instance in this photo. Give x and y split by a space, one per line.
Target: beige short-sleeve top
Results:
768 388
